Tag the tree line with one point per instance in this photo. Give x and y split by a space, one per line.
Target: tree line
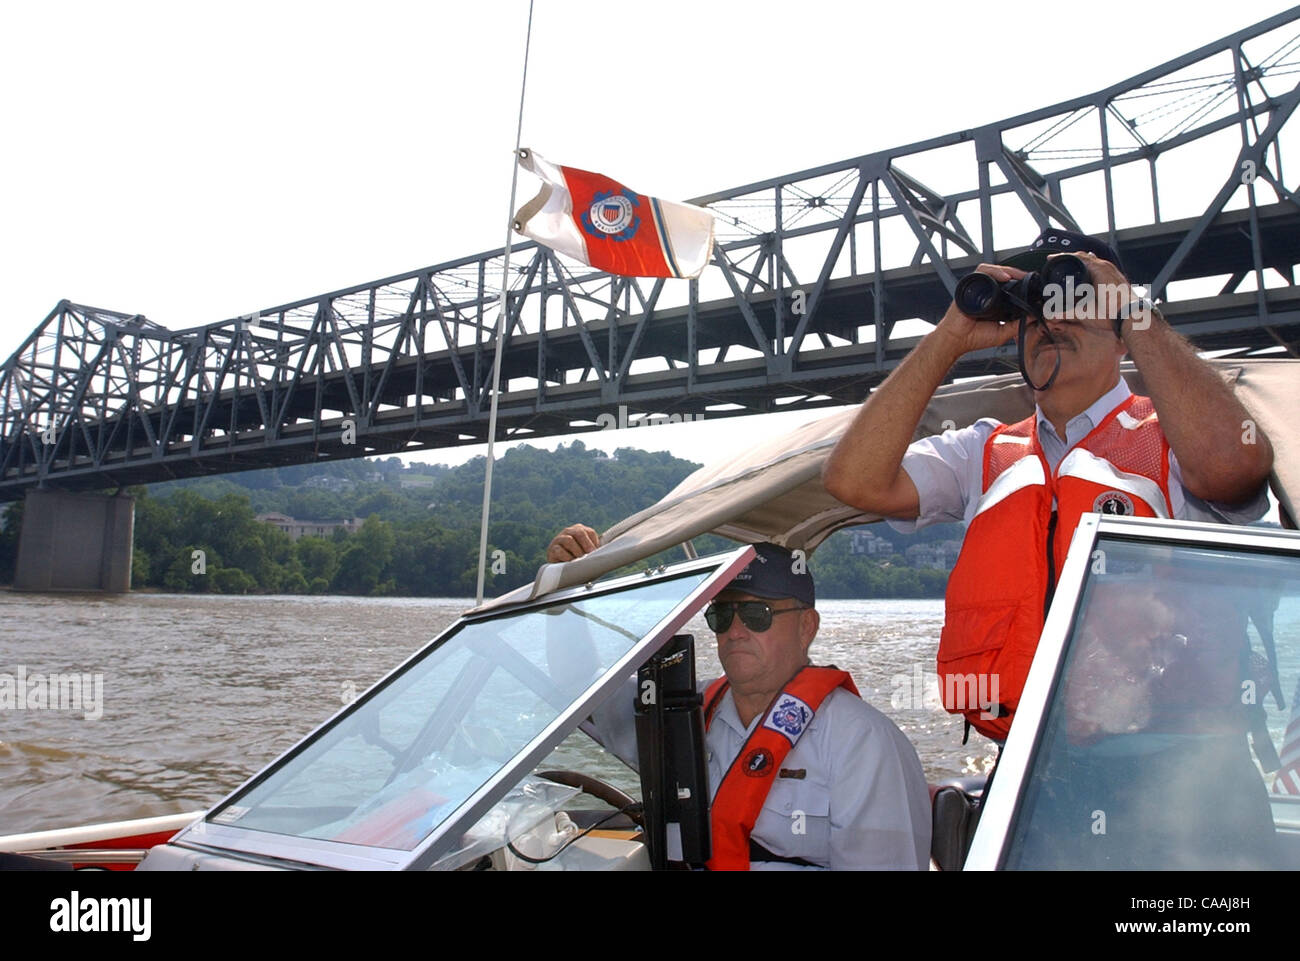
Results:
420 533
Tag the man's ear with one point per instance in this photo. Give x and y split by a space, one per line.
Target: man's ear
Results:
809 622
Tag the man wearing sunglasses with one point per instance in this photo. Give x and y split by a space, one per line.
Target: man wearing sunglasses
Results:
803 772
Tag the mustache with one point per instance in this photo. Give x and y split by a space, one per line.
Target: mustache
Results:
1066 333
1059 343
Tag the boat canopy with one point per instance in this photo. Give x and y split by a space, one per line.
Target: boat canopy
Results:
774 492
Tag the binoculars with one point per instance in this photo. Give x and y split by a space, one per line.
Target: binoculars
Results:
981 297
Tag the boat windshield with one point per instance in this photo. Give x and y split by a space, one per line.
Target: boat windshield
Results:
1177 686
388 773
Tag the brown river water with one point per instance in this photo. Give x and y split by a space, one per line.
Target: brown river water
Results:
186 696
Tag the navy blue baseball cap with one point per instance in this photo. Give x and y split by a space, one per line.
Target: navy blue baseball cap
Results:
775 573
1056 241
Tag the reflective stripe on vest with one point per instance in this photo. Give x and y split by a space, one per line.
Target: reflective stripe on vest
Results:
995 597
1026 472
739 799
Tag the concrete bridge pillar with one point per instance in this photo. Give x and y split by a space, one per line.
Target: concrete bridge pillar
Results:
75 542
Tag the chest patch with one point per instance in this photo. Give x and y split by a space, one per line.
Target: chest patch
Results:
1113 502
757 763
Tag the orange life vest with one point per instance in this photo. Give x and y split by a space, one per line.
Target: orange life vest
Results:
739 798
1016 543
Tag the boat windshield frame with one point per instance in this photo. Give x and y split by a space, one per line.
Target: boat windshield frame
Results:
292 850
991 842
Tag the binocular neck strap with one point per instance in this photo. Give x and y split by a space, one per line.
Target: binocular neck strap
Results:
1020 355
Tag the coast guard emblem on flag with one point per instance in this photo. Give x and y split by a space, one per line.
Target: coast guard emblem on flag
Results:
789 716
612 215
599 222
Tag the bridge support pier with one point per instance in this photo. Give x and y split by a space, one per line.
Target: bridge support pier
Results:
75 542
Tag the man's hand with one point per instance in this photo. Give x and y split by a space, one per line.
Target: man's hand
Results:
1111 293
572 542
966 334
1109 283
865 468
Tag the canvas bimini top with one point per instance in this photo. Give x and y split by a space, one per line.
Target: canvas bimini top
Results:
774 492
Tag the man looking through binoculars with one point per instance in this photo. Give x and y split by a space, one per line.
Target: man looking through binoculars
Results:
1189 451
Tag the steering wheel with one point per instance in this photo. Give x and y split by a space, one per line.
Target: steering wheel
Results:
601 790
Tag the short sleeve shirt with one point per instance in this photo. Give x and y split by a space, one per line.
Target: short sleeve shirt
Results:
851 793
948 470
853 796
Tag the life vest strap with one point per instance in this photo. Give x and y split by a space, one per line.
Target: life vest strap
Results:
740 796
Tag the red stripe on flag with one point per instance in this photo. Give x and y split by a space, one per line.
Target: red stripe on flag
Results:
1287 780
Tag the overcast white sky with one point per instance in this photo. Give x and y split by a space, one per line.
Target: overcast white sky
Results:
195 162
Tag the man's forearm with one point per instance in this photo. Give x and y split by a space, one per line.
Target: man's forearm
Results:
863 469
1223 454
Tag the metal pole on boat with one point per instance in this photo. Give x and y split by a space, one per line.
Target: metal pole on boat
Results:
501 318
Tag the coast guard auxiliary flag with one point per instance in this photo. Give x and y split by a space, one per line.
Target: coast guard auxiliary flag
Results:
600 222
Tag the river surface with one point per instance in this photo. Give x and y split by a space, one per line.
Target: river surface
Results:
197 693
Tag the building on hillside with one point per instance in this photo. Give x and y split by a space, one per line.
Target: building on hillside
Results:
870 543
296 528
326 483
941 555
407 481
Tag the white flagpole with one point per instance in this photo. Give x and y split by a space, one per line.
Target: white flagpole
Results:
501 319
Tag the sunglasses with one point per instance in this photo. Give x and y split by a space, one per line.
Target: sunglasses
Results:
755 615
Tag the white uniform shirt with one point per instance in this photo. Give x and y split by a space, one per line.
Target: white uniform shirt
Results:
862 802
948 470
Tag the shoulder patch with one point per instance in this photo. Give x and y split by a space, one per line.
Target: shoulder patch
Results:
789 716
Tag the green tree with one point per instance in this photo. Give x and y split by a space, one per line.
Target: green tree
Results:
318 557
190 573
231 580
363 568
